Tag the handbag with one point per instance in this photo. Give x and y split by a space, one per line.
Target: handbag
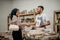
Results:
13 27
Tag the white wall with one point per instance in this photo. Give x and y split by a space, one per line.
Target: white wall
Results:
49 5
5 8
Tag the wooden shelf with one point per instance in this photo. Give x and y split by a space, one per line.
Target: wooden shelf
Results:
32 23
57 23
29 14
26 14
57 11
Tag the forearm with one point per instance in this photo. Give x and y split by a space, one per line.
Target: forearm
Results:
43 25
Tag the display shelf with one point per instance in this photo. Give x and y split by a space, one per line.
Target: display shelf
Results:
56 21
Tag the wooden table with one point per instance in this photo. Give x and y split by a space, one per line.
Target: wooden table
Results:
49 37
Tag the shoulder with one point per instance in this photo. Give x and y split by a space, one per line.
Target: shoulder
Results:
14 16
44 15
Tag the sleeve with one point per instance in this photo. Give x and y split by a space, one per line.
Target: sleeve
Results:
14 19
45 17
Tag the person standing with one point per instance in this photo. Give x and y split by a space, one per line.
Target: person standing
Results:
41 19
17 35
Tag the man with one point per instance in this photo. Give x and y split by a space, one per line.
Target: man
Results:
41 19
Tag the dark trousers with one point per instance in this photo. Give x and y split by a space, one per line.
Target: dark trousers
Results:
17 35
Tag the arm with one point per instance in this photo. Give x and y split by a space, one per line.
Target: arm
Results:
45 20
46 24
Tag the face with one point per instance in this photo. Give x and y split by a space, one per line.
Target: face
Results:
18 13
39 10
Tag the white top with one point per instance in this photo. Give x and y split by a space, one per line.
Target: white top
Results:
41 19
15 20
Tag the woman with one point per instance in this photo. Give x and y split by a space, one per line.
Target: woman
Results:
17 35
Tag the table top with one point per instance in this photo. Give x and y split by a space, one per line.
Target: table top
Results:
42 38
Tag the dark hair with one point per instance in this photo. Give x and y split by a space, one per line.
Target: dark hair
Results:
13 12
41 7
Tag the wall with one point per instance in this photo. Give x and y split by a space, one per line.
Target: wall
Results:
5 8
49 5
